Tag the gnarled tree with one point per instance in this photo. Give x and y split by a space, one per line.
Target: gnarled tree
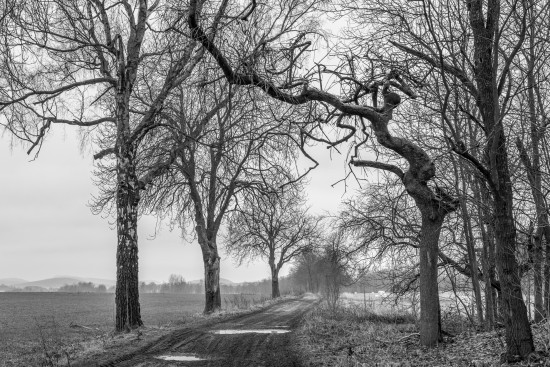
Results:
434 205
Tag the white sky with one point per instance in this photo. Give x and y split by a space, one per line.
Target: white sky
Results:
47 230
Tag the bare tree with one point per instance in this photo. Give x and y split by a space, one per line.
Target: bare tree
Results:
104 65
486 76
273 226
220 144
531 144
336 265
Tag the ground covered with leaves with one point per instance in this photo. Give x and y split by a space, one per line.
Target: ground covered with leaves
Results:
353 336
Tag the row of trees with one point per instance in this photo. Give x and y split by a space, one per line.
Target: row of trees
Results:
201 107
481 69
84 287
173 139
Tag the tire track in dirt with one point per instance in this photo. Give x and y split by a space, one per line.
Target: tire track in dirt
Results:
216 350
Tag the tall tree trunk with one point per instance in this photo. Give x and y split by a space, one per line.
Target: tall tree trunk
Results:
472 258
470 240
213 300
485 30
537 276
488 277
532 165
128 315
547 277
488 254
518 331
430 326
546 268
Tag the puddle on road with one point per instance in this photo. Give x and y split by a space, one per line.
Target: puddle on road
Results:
250 331
180 358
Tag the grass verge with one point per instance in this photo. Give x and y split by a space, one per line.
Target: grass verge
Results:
352 337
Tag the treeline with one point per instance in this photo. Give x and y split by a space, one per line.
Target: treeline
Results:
85 287
177 284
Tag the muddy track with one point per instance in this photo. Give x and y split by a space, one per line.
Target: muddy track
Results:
262 338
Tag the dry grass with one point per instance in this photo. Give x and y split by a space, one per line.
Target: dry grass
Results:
353 336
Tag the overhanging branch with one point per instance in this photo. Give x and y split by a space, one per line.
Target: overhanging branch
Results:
379 165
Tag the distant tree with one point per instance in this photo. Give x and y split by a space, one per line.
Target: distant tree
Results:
273 226
177 284
222 140
83 287
335 266
101 288
306 274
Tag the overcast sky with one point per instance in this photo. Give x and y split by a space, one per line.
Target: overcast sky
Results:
47 229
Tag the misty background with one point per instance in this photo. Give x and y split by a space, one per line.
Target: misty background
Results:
47 229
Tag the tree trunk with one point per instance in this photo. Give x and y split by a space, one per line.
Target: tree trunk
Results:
547 277
488 255
275 293
485 30
472 258
546 268
537 276
127 306
518 331
430 326
213 300
470 240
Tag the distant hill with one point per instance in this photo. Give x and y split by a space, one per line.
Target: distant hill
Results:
12 281
5 288
223 281
50 283
58 282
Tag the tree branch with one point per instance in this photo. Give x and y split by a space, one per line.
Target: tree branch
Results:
379 165
459 74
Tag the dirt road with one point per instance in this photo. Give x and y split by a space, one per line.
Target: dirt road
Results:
262 338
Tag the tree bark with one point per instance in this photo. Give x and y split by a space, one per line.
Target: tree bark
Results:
518 331
430 326
537 276
488 276
275 292
547 275
127 315
213 300
488 232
